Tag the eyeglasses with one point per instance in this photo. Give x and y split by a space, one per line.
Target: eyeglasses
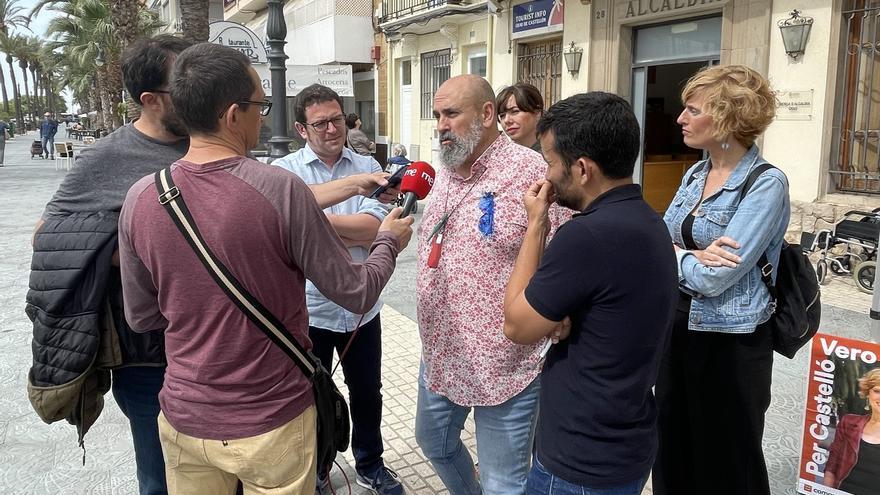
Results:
265 106
321 126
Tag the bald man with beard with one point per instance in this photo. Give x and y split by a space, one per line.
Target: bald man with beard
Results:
469 238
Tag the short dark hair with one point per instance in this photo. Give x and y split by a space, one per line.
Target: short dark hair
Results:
596 125
207 78
146 63
351 120
527 97
310 95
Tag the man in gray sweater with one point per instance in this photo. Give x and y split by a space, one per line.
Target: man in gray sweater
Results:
102 175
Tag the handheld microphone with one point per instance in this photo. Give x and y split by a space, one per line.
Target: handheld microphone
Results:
416 184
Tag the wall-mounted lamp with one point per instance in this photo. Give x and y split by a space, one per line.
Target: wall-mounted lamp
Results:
795 31
99 59
573 55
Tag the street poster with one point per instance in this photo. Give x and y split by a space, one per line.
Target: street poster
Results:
838 453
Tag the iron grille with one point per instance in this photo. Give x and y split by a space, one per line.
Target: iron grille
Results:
435 71
395 9
855 163
540 64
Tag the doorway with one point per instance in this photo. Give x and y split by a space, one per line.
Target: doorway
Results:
665 57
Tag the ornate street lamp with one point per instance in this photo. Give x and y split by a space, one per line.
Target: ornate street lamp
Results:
276 32
795 31
573 56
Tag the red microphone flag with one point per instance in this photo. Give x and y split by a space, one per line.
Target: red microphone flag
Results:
418 179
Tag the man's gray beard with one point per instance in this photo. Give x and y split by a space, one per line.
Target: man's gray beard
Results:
454 154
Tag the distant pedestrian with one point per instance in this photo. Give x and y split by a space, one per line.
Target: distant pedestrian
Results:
48 128
398 158
4 127
357 139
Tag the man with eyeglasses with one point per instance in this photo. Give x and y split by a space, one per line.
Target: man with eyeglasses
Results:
95 188
234 405
320 120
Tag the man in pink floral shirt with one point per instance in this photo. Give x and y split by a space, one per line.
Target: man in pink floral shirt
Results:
469 238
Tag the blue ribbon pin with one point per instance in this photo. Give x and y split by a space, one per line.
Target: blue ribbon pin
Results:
487 220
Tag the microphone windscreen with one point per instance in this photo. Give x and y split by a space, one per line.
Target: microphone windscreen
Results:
418 179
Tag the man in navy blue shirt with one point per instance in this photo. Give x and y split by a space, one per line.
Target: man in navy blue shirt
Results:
48 128
609 273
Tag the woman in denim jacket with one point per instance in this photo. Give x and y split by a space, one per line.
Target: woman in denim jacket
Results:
714 382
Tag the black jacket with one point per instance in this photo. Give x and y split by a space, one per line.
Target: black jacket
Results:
75 303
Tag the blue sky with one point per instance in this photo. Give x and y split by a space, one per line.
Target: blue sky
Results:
38 28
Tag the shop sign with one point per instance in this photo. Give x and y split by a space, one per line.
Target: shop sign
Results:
239 37
835 412
336 77
795 105
638 8
537 17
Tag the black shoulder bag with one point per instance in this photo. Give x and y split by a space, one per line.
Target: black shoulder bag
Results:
333 428
797 309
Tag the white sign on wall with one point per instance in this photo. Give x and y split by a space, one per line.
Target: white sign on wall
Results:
239 37
336 77
795 105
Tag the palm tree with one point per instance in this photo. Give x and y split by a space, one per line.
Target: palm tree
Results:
48 68
194 17
10 45
10 16
84 26
124 16
34 47
24 55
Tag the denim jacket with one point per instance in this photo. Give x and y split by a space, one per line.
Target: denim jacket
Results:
730 300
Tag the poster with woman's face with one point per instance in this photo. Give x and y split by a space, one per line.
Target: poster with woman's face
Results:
840 453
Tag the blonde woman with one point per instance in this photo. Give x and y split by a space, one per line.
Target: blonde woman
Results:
854 460
714 382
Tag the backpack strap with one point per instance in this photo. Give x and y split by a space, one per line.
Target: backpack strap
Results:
763 263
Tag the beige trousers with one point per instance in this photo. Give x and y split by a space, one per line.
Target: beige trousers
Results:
279 462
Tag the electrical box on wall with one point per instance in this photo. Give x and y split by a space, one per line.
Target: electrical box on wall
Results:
375 52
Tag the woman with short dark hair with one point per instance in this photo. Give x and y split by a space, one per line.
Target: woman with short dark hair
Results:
519 108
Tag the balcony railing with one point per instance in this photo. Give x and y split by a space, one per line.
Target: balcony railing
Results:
396 9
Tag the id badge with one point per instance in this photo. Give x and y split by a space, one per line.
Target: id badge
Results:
436 247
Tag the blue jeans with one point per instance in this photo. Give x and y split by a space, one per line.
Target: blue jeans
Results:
542 481
49 149
504 441
136 390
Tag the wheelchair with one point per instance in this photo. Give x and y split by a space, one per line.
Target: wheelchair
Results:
854 241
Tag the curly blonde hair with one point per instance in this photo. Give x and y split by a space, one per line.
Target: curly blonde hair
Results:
870 380
738 99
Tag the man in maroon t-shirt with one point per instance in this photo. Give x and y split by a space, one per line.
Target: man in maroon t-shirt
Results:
234 406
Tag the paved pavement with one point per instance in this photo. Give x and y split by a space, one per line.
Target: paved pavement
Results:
36 458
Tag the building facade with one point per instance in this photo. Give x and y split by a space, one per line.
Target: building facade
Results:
325 32
825 137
